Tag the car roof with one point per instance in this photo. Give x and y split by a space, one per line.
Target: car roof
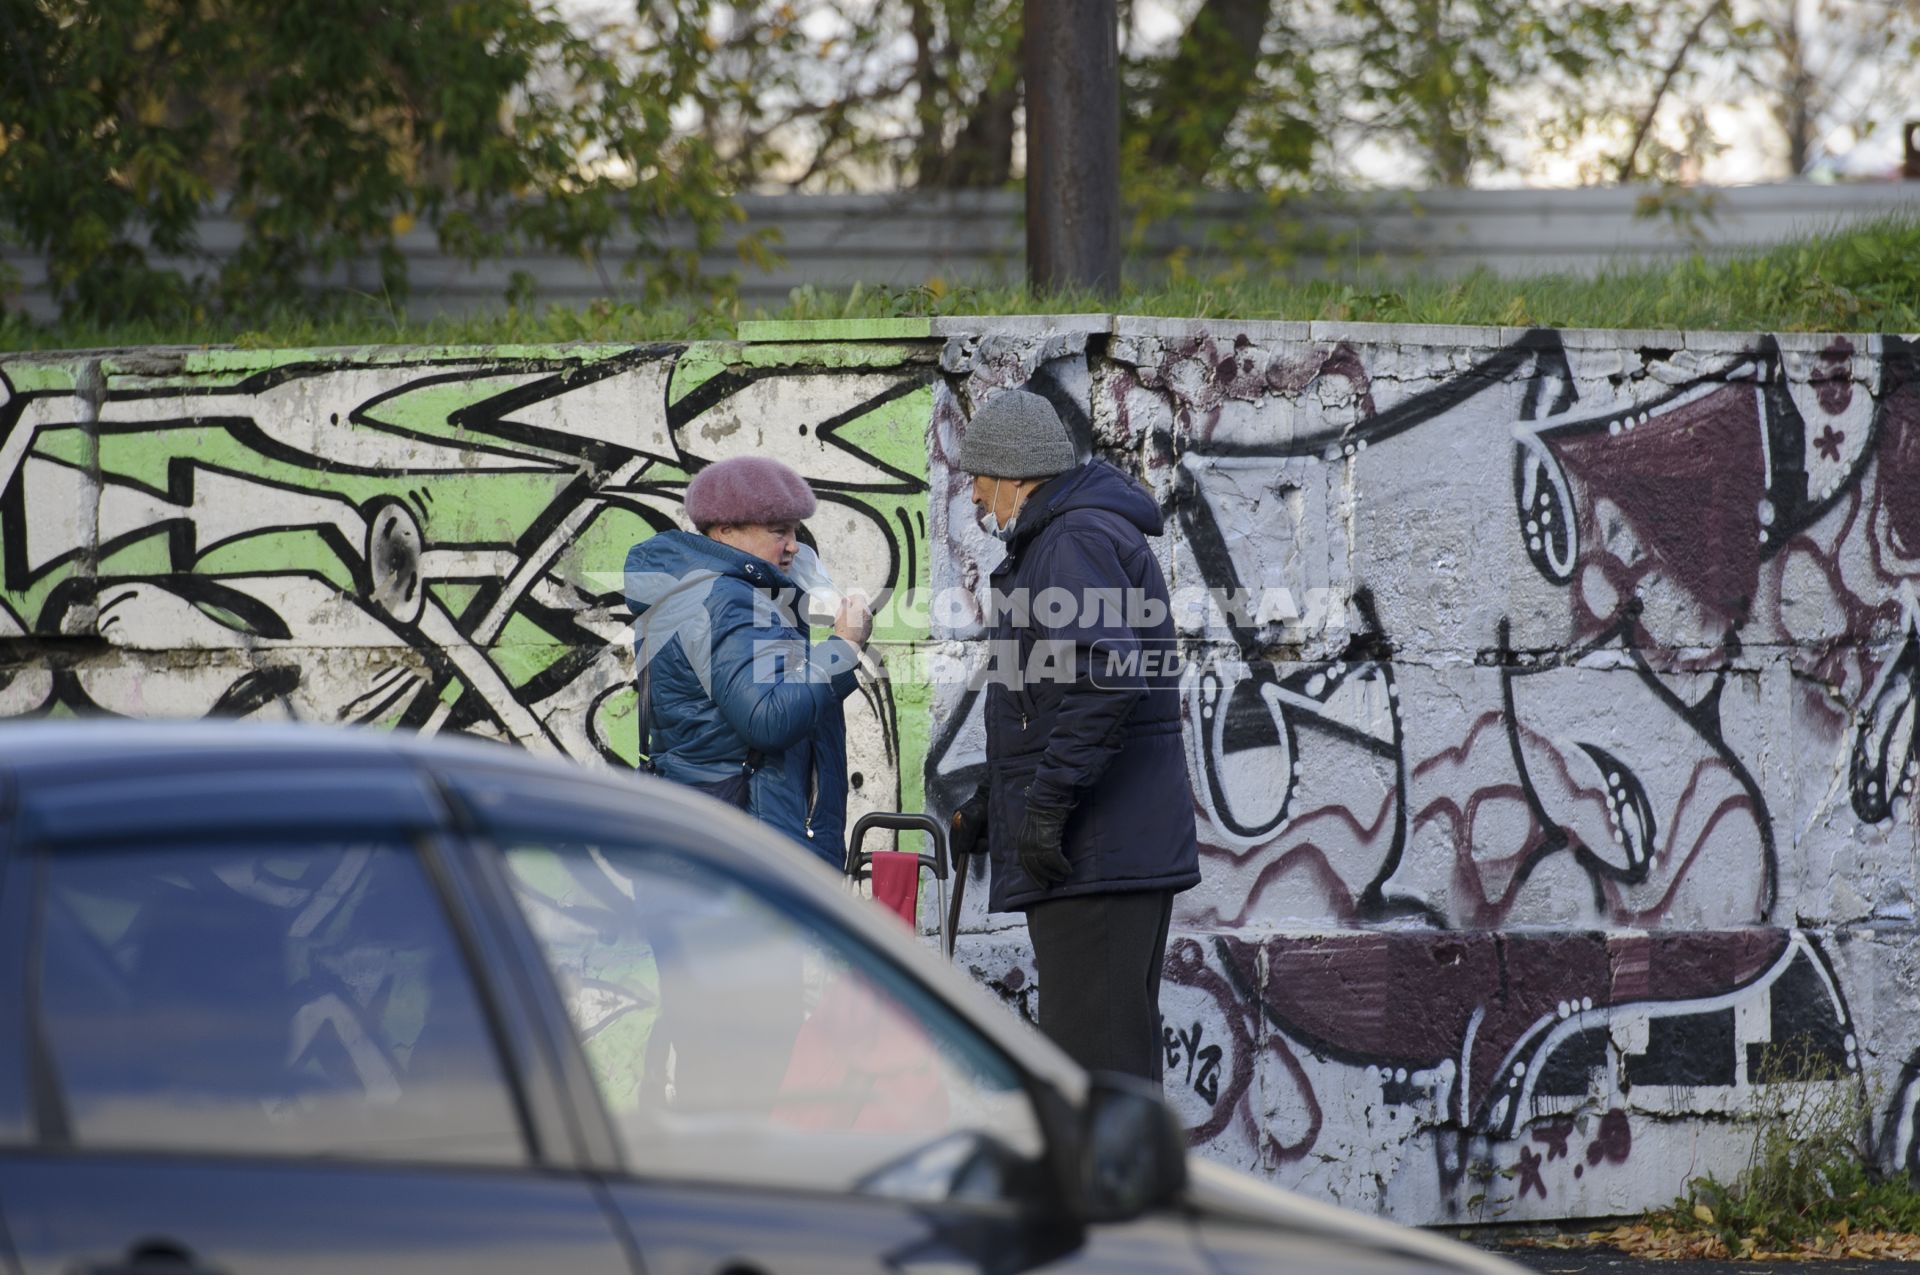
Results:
96 778
85 747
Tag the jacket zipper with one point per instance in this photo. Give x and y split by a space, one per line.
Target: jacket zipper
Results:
813 794
1004 571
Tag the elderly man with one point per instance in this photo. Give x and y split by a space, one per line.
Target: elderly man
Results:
1085 813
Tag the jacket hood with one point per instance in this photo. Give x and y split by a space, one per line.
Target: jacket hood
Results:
664 563
1094 485
669 580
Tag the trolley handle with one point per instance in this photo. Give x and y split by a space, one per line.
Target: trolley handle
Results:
899 821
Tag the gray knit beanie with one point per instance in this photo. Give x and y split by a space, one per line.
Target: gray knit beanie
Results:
1016 434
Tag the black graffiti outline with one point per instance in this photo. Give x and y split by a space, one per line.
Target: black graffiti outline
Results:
1186 1044
701 399
1221 572
487 416
1875 777
1702 716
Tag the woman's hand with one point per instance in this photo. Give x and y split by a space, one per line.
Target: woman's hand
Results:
853 621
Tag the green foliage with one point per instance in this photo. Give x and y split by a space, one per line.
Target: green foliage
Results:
1435 70
850 94
338 133
1284 94
1821 1201
327 129
1864 280
1255 93
1811 1176
1261 94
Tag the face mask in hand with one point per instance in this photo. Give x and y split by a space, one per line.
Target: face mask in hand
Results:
823 596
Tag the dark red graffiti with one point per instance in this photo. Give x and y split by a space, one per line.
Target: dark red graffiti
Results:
1235 988
1672 530
1413 1000
1613 1142
1898 490
1335 872
1012 988
1689 482
1529 1172
1829 442
1553 1136
1211 373
1832 377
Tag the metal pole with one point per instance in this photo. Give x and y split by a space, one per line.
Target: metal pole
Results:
1072 67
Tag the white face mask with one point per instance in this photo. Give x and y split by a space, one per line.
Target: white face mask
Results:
823 597
987 522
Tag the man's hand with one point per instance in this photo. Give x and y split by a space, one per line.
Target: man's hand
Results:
968 827
1039 844
853 621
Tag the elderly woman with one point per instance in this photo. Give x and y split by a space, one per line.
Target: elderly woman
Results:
734 698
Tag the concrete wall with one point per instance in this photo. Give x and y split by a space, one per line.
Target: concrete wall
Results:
1555 783
905 240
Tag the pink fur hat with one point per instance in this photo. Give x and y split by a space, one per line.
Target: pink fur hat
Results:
746 490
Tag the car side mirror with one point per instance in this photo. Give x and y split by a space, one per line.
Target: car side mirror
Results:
1133 1150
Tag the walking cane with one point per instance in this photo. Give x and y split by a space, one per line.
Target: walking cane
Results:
961 862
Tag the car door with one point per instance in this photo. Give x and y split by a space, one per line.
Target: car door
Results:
786 1098
264 1049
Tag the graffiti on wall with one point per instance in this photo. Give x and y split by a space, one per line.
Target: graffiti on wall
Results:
1519 851
420 541
1539 814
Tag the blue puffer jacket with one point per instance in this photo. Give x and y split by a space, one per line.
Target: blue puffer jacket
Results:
733 671
1103 736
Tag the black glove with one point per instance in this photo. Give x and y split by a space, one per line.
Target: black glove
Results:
1039 844
968 827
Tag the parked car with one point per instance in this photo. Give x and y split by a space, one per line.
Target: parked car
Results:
294 999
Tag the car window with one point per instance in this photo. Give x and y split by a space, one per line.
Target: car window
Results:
300 999
737 1041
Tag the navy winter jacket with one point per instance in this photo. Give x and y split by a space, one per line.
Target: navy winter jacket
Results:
1099 729
733 671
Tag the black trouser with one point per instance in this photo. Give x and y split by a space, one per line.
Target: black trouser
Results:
1098 959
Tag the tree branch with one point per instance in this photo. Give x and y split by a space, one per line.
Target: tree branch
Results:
1666 82
1205 83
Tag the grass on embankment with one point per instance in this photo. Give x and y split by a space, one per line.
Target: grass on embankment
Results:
1863 279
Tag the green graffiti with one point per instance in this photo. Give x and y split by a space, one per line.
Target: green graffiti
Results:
430 538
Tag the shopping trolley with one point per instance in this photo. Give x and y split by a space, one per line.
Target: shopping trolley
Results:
859 862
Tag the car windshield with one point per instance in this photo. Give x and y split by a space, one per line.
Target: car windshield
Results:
738 1039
